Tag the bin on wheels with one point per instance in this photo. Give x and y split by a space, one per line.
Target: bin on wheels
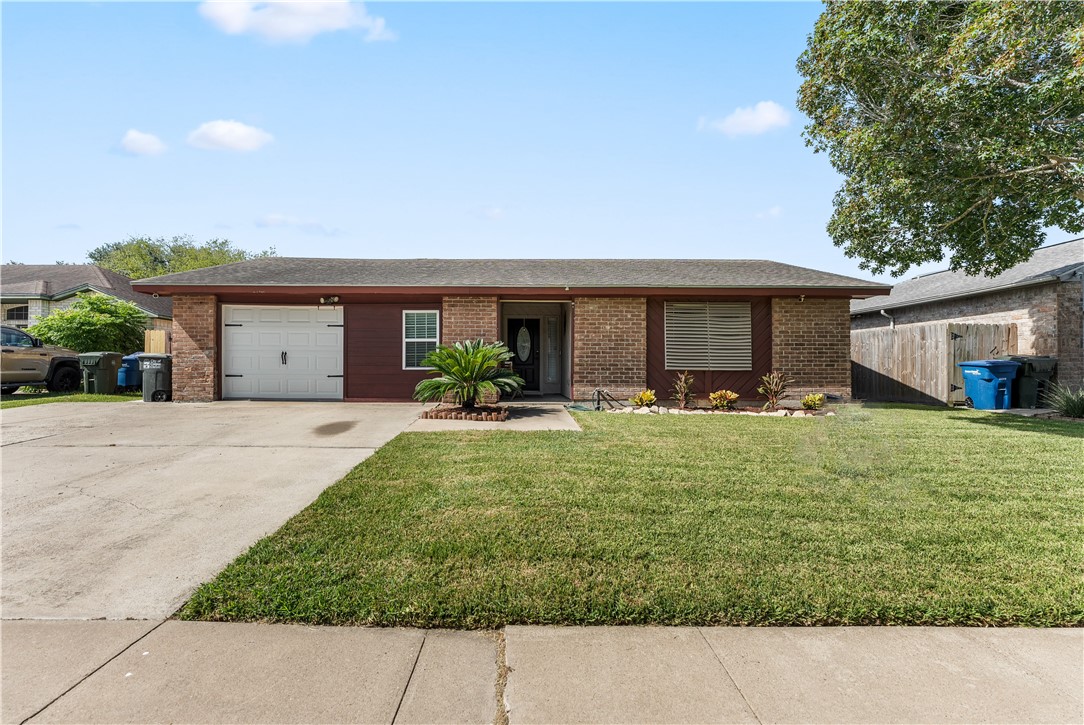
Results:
988 383
129 376
100 371
157 377
1032 379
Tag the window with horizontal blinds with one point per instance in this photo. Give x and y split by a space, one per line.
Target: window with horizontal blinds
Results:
709 336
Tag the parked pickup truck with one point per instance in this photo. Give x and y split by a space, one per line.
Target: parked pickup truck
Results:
24 360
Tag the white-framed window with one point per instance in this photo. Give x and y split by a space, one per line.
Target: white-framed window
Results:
709 336
421 333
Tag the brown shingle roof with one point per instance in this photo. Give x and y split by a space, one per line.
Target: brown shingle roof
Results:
531 273
1046 265
57 281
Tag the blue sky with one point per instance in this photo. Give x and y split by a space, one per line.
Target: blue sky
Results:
414 130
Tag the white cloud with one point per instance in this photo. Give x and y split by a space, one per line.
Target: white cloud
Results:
493 212
142 144
309 226
229 136
773 213
293 21
748 121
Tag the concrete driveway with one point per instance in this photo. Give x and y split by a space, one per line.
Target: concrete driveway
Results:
119 510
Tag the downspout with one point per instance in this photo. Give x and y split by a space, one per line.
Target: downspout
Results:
891 320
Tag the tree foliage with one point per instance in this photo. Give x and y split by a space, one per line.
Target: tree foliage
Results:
958 126
95 322
468 371
142 257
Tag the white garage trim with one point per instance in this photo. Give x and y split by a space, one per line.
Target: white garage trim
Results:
286 352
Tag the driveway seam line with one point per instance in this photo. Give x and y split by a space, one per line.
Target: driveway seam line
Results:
90 674
410 678
729 676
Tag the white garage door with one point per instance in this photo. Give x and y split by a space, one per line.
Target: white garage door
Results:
282 352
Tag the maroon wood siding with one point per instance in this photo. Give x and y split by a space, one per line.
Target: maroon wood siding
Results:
744 383
373 355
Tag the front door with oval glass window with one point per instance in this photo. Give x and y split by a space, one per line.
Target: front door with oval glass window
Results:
525 343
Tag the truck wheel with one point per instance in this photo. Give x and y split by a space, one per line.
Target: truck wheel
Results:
65 380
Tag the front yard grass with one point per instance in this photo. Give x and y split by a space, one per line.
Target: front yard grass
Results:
880 515
20 400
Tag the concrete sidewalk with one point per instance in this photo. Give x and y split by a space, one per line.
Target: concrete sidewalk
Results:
197 672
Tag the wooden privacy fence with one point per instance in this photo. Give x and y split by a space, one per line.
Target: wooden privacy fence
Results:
158 341
917 363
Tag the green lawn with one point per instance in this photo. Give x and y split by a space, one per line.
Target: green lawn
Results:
20 400
899 515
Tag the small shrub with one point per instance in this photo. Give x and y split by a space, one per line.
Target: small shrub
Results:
723 399
1065 400
813 401
773 386
643 399
683 390
467 372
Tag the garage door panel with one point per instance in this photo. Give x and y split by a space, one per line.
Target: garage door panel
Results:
270 314
300 314
301 338
328 365
239 315
253 350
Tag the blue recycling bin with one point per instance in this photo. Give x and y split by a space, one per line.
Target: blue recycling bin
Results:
988 383
129 376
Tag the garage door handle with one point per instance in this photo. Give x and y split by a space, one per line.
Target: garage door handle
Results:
283 357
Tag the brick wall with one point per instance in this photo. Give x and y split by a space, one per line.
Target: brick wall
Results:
811 343
1071 333
195 352
1033 309
469 318
610 346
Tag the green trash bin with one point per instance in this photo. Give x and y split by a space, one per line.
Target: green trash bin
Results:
100 371
1032 379
157 373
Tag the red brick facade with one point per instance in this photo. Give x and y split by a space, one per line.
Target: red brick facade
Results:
609 346
1071 333
811 343
470 318
195 348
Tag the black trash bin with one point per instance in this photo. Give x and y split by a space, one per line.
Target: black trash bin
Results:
1032 379
100 371
157 377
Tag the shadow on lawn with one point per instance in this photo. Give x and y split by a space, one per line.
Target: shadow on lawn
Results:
1073 429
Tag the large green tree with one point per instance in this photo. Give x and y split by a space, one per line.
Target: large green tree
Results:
142 257
958 128
95 322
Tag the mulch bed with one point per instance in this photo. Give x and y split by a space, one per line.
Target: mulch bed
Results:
494 413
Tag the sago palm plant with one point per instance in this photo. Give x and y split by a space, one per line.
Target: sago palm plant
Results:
466 372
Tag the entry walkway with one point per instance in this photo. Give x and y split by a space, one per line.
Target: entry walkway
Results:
203 672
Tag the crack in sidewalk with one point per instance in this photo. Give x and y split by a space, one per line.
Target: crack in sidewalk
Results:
734 682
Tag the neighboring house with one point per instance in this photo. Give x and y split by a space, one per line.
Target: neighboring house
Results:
1042 297
358 329
29 292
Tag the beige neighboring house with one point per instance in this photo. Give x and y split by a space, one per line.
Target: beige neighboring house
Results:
29 292
1042 297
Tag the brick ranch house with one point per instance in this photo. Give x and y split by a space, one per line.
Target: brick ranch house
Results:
357 330
1042 297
